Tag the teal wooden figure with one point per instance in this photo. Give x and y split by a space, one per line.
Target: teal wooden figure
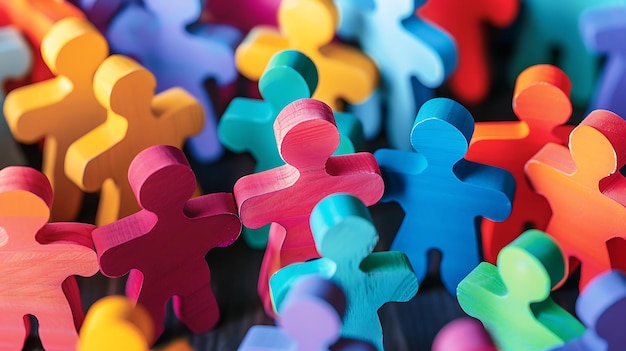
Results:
248 124
443 194
513 299
413 57
345 238
549 27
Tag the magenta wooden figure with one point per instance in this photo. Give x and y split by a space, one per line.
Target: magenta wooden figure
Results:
155 33
164 245
463 334
256 13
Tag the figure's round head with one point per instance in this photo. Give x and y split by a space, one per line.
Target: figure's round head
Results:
308 23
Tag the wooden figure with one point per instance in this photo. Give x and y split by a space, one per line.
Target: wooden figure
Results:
34 18
442 194
306 136
61 109
541 102
247 124
38 261
585 193
602 307
345 237
257 13
164 244
15 62
547 27
309 26
465 21
310 319
463 334
428 57
100 12
136 119
155 33
513 299
602 29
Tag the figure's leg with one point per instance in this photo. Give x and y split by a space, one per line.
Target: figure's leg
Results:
270 265
197 307
582 68
205 146
407 241
404 98
67 206
457 262
369 112
14 330
56 326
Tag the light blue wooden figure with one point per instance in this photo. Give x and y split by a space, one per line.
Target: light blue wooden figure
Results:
413 57
345 238
549 27
442 194
248 124
15 61
156 34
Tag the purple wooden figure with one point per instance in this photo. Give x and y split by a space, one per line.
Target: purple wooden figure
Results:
309 320
156 35
100 12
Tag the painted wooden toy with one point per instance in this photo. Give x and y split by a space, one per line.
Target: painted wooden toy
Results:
541 102
310 319
247 124
15 62
136 119
38 261
442 194
513 299
345 73
549 26
463 334
586 193
465 21
164 244
155 33
306 136
428 57
100 12
602 307
61 109
257 13
345 238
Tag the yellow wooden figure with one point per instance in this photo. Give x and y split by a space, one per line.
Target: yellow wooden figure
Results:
136 119
61 109
309 26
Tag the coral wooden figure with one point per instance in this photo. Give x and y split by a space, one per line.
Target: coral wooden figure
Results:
61 109
34 18
602 307
136 119
583 187
345 237
465 21
541 102
602 29
164 244
15 62
549 26
463 334
306 136
38 262
156 34
258 12
310 319
247 124
309 27
442 194
513 299
412 56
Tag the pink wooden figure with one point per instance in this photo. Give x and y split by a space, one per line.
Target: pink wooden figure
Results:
306 136
256 13
164 244
463 334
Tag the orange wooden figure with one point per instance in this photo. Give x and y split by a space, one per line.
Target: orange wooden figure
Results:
541 102
306 136
136 119
309 26
38 262
34 18
588 225
63 108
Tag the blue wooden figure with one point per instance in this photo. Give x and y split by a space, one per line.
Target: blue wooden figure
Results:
248 124
309 320
602 307
155 33
345 238
603 30
413 57
441 193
